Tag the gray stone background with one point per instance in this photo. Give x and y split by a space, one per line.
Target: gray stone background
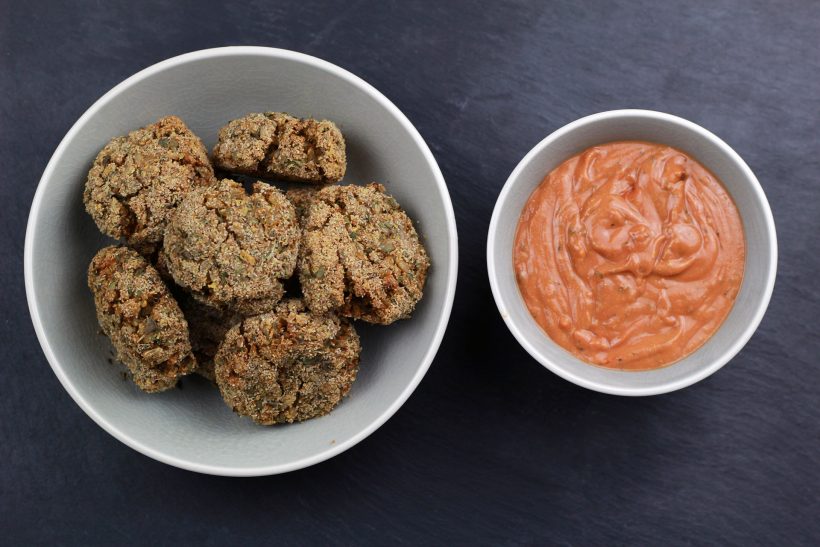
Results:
491 449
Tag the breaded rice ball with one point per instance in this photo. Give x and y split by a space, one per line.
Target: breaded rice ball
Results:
136 181
361 255
276 145
288 365
141 318
232 250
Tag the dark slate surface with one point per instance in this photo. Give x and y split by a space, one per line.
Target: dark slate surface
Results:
491 448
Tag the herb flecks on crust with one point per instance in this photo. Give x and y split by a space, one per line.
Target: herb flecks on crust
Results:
137 180
361 255
141 318
276 145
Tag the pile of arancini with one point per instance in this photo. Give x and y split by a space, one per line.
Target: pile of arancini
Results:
254 291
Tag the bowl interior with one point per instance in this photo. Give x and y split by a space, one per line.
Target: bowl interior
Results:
711 152
192 427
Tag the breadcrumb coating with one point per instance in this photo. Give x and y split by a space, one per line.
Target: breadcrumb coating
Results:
232 250
277 145
141 318
361 255
288 365
137 181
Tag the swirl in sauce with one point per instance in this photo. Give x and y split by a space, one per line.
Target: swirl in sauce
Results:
630 255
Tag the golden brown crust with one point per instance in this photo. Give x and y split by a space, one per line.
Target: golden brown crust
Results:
136 181
361 255
232 250
288 365
276 145
141 318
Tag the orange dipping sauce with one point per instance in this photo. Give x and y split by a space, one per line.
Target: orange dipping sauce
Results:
630 255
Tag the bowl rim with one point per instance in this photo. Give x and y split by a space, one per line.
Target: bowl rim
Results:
449 291
493 247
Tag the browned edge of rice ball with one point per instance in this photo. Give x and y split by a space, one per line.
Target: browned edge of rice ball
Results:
287 365
137 180
361 255
277 145
143 321
232 250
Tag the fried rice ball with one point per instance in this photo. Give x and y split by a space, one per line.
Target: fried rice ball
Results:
232 250
288 365
361 255
141 318
136 181
280 146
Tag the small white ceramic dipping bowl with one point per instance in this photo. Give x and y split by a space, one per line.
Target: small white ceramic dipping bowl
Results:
192 428
718 157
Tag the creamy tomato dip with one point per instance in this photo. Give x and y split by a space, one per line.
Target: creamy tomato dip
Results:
630 255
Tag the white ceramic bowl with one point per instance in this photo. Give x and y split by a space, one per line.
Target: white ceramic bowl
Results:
192 428
761 250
